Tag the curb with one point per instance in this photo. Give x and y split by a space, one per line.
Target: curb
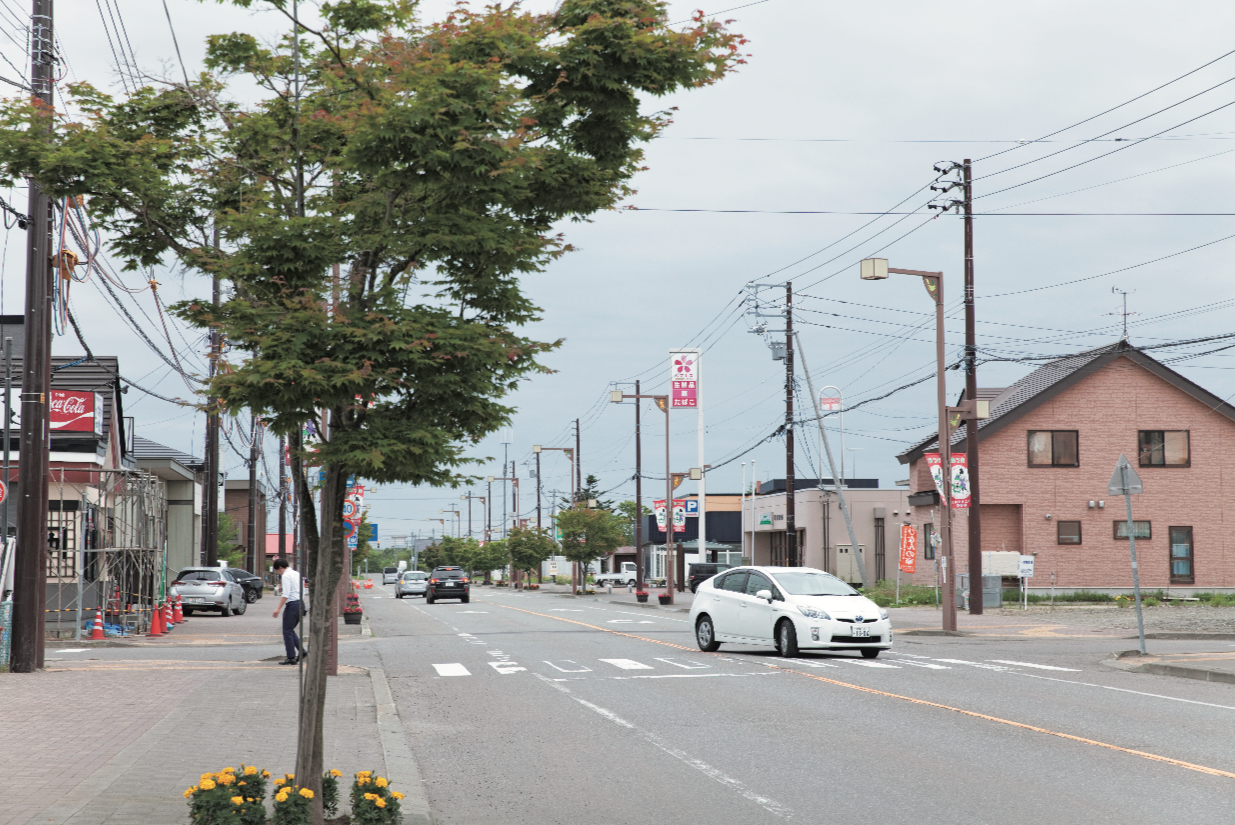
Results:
925 632
1199 673
401 767
1184 636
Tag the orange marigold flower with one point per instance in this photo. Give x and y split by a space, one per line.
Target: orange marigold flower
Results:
381 782
207 784
370 796
188 792
396 794
335 773
237 800
306 793
250 770
379 802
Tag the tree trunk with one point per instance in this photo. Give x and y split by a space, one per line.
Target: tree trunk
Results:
327 570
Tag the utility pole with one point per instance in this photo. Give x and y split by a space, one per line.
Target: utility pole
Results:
578 463
252 528
791 530
282 502
210 520
489 511
537 491
638 494
30 568
971 395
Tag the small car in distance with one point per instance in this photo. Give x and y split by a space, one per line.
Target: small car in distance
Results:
390 575
792 608
412 583
702 571
252 584
448 583
209 588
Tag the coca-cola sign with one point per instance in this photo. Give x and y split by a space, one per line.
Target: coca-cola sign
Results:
79 412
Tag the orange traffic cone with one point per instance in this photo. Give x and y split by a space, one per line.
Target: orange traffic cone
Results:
156 626
168 624
97 635
177 613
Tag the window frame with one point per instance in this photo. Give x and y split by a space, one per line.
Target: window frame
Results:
1170 557
1140 456
1080 534
1028 453
1136 522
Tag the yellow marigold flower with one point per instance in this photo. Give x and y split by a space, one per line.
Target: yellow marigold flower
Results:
364 773
226 779
265 774
237 800
370 796
362 782
396 794
381 782
279 781
207 784
281 796
306 793
188 792
335 773
239 783
250 770
205 776
290 776
379 802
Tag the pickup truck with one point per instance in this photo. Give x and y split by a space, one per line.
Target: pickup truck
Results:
627 576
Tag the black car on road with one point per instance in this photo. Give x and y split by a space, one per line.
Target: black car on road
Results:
448 583
701 572
252 584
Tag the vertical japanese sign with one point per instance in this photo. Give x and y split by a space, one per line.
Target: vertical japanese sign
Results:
679 514
909 548
959 474
934 461
353 506
684 378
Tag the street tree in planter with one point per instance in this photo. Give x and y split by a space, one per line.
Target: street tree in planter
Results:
588 535
529 547
430 162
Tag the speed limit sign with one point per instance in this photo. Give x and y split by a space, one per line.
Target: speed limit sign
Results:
4 491
349 508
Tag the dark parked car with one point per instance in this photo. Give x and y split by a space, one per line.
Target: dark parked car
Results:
448 583
699 573
252 584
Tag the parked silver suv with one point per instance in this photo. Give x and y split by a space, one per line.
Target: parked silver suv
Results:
209 588
412 583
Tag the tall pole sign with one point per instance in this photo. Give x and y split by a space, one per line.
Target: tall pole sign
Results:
684 377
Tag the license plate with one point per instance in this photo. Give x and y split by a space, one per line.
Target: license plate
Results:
196 601
863 632
451 584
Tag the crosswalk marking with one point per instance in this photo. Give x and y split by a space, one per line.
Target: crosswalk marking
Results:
455 669
929 665
865 663
627 664
506 667
683 663
1039 667
973 664
810 663
575 667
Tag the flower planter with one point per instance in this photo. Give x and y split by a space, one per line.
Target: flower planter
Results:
642 598
663 599
352 618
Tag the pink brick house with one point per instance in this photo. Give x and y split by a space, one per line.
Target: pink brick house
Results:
1047 453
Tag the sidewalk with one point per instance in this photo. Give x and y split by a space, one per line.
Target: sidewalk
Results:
115 735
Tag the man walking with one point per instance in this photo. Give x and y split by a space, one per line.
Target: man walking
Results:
290 590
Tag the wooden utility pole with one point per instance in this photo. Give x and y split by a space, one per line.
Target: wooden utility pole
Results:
252 526
578 463
638 494
210 519
30 568
971 395
791 530
282 502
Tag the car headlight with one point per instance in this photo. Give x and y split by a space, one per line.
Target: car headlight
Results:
812 612
883 613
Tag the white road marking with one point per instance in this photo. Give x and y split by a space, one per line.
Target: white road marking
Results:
693 675
621 621
865 663
75 650
1039 667
811 663
1124 690
465 634
974 664
929 665
506 667
455 669
564 610
575 667
768 804
627 664
473 611
686 663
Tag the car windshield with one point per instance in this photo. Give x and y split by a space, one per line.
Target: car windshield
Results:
199 575
814 584
448 574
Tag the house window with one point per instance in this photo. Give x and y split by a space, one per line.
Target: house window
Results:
1068 532
1181 556
928 540
1141 530
1053 448
1164 448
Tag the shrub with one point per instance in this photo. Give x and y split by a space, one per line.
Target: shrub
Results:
228 798
330 791
373 803
292 804
1150 601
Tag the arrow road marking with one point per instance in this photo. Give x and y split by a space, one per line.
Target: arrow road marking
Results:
455 669
506 667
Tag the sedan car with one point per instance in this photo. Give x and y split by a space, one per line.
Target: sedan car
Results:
412 583
448 583
252 584
209 588
793 608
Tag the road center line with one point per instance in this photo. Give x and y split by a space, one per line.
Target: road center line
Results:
1126 690
769 805
923 702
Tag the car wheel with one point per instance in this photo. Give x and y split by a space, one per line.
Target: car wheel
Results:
705 634
870 652
250 596
787 639
632 583
466 599
241 608
226 609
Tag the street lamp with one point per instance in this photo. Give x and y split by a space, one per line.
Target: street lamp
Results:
662 401
877 269
458 520
570 454
469 498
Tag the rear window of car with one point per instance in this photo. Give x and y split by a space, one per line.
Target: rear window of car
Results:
199 575
241 574
407 577
390 570
452 573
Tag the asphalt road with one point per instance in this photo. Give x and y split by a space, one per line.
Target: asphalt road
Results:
531 708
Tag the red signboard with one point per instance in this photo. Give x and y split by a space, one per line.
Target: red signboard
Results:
909 548
76 412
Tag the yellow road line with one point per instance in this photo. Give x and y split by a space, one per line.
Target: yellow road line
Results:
1083 740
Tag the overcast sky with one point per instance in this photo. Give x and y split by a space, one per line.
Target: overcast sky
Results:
842 109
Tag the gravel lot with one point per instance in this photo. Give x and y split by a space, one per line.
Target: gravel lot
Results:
1191 618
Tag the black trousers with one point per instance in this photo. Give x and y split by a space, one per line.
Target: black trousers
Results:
291 617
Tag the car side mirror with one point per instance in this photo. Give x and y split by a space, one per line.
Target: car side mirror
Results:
764 594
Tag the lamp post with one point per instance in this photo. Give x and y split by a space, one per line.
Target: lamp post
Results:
570 453
662 401
458 521
469 498
877 269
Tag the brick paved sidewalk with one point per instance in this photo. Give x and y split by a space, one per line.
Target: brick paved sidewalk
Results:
116 742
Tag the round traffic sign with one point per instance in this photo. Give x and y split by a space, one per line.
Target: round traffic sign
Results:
349 509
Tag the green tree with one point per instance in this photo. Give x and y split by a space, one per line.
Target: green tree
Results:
589 492
228 547
630 515
529 546
431 161
588 534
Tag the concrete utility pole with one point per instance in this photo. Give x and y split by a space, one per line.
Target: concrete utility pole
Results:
791 530
30 568
971 394
210 519
638 494
252 527
282 503
578 463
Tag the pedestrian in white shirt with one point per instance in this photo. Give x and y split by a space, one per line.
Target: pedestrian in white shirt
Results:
291 599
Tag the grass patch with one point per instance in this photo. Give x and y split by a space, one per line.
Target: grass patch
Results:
883 593
1216 599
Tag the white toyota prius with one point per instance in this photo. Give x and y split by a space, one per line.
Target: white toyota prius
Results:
793 608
